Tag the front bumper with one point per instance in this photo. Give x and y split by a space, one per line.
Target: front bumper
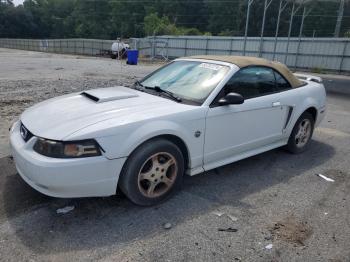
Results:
66 178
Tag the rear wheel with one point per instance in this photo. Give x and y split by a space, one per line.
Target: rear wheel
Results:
301 135
152 173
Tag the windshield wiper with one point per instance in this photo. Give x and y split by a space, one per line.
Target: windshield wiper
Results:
160 90
138 83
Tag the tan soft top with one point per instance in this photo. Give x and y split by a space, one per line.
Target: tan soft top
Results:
243 61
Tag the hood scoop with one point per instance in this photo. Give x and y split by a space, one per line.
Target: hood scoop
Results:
101 95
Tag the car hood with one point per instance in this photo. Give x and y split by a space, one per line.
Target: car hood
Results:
60 117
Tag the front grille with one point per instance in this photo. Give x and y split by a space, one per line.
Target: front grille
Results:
25 133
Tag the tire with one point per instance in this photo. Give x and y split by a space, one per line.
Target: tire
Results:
152 173
299 139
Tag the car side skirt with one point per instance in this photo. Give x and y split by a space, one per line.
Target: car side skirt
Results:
246 154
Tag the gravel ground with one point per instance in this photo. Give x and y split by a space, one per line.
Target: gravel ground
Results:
30 77
234 213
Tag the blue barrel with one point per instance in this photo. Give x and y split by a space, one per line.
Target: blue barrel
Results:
132 57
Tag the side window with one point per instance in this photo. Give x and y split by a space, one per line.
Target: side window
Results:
252 82
281 82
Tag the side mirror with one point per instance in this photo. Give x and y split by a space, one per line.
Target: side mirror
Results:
231 99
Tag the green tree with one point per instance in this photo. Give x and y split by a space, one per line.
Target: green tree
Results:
110 19
16 22
225 16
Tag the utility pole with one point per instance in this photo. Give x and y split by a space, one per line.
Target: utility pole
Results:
246 25
339 18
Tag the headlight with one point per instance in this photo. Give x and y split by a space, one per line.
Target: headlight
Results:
71 149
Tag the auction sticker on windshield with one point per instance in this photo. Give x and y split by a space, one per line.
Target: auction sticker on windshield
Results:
211 66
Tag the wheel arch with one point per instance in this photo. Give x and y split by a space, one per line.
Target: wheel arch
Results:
310 108
179 142
313 111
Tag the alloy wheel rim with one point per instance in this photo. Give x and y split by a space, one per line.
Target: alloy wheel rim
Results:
157 174
303 134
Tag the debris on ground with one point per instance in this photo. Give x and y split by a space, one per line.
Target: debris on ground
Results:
291 230
230 229
325 178
269 246
218 213
233 218
167 226
268 237
65 210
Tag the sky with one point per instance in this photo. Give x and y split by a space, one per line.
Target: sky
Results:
18 2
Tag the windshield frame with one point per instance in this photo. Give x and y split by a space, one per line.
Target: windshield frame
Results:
190 101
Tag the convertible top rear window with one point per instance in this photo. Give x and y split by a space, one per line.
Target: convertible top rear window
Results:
191 80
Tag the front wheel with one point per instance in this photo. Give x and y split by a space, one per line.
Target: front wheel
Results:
301 134
152 173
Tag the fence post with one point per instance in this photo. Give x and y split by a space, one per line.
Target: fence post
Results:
266 6
167 47
231 46
185 46
290 30
343 55
296 55
246 25
206 46
154 47
300 35
282 6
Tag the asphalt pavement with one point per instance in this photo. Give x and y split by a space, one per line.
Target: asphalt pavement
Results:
270 207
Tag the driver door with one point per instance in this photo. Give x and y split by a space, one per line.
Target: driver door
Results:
234 132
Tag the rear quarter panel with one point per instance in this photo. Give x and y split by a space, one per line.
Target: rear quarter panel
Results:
300 99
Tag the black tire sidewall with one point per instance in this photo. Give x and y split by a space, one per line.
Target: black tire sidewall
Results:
292 147
128 182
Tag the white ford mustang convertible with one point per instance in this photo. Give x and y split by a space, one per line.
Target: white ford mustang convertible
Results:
192 115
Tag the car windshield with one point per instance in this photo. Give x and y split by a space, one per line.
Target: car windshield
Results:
191 80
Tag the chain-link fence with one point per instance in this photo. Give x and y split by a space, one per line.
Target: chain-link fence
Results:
306 53
65 46
317 54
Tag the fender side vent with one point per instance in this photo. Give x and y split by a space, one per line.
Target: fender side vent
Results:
290 111
94 98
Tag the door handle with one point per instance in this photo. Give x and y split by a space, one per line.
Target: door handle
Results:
274 104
